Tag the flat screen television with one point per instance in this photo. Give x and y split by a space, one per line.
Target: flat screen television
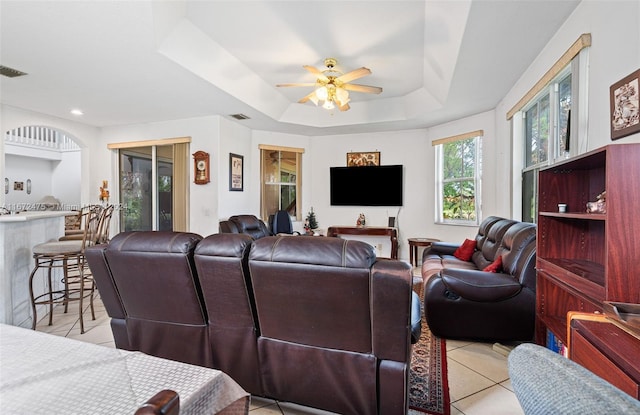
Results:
366 186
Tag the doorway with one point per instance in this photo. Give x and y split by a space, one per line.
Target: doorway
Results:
149 184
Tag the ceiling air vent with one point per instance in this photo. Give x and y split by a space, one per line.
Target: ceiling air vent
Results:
10 72
240 116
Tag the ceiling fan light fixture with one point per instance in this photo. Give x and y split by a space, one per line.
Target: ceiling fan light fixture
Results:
328 105
342 103
332 86
322 93
342 95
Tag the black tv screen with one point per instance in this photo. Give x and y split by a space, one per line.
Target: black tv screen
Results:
366 186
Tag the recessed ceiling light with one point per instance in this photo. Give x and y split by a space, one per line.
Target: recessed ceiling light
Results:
77 112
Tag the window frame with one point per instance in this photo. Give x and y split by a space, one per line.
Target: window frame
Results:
577 58
554 140
476 136
264 182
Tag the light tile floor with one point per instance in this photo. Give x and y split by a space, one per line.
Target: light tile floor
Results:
478 377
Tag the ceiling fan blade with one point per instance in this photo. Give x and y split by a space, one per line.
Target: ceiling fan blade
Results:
362 88
316 72
307 98
297 84
353 75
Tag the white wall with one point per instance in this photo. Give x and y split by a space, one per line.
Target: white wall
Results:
66 178
614 54
52 172
19 169
205 136
407 148
236 139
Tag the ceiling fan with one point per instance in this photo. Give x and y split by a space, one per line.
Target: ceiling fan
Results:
332 86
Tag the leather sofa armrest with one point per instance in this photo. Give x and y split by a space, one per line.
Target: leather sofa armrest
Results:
479 285
104 281
441 248
391 303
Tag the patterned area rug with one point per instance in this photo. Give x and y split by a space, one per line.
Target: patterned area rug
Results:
429 386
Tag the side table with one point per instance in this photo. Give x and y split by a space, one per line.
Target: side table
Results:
414 243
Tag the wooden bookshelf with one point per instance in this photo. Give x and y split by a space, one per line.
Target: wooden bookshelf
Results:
584 258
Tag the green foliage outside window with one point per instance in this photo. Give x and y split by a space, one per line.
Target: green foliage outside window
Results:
543 141
537 132
459 180
164 184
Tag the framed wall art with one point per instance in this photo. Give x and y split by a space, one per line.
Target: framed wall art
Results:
236 172
371 158
625 106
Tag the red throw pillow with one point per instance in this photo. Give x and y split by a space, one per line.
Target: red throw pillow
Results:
495 266
465 251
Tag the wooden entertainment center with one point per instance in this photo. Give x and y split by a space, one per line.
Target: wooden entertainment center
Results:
584 259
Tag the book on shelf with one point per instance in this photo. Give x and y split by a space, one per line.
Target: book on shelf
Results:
555 344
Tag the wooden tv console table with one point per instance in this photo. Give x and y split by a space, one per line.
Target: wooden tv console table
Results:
392 233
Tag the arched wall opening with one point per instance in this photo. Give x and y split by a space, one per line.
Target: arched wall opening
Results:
41 164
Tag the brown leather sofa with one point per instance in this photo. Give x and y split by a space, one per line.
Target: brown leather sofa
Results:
311 320
463 302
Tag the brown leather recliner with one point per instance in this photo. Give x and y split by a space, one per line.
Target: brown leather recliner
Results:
467 303
333 324
221 262
109 295
226 226
154 275
247 224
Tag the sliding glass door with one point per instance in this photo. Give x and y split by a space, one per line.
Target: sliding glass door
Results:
147 188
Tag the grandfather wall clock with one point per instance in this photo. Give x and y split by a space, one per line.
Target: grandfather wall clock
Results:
201 167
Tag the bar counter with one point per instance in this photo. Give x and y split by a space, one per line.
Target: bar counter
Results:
19 233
